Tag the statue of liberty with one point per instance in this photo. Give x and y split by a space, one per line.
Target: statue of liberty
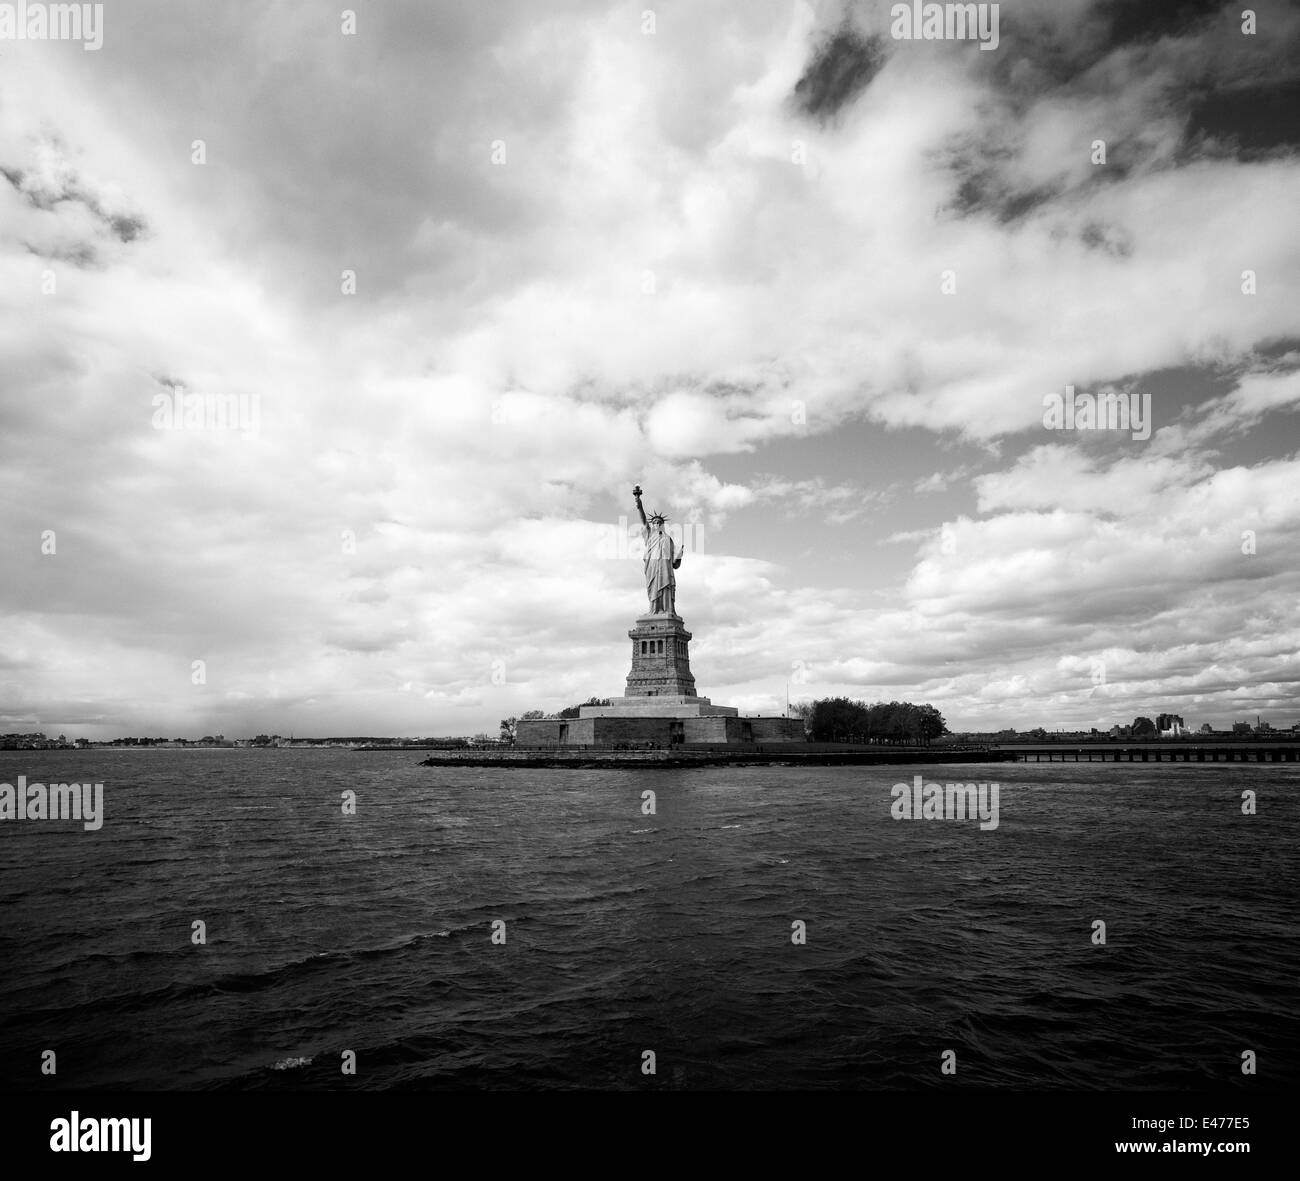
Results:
661 559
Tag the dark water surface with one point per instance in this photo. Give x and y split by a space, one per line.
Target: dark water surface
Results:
628 932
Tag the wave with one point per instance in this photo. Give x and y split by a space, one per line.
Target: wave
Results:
293 972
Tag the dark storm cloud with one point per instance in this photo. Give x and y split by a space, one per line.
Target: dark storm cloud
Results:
982 192
1199 45
839 71
1205 90
1248 121
987 183
1272 349
1139 21
49 191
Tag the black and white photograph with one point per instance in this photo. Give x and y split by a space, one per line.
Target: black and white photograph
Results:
741 549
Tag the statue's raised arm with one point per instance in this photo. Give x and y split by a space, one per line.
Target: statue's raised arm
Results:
660 558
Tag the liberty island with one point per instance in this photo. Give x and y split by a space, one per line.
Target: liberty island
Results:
660 705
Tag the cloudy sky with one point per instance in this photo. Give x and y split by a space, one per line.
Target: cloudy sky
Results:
473 270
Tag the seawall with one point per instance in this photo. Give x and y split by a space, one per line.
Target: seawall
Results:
779 754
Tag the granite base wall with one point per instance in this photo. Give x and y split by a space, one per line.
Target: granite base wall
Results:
613 731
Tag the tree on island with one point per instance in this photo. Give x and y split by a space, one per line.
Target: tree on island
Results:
837 719
510 726
572 711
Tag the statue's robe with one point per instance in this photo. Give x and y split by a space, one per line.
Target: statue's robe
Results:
660 582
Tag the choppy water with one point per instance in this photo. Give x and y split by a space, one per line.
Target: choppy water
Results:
628 932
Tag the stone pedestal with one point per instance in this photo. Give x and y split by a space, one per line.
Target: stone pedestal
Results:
661 661
660 684
660 706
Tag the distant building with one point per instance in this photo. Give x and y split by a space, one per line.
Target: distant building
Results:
1168 722
1241 727
1207 728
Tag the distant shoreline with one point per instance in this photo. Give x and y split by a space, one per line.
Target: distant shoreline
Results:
1098 750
